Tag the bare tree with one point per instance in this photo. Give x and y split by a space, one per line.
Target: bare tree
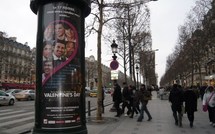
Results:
102 13
190 45
133 33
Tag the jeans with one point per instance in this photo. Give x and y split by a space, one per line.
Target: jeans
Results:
190 116
118 109
144 108
126 104
176 109
211 113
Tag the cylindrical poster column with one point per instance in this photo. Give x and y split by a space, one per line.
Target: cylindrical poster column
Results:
60 66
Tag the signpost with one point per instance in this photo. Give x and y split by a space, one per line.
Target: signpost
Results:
114 64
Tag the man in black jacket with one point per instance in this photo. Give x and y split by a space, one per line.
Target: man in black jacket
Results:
126 98
176 98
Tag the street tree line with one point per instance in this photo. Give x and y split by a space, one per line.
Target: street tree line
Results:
194 47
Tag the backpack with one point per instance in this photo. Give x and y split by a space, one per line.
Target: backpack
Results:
147 96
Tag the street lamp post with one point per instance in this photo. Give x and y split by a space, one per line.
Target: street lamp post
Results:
137 69
114 47
114 64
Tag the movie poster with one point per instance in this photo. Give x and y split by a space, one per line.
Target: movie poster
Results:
61 74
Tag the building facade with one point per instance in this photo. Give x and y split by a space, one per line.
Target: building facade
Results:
15 62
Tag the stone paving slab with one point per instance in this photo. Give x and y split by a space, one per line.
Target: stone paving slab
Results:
162 122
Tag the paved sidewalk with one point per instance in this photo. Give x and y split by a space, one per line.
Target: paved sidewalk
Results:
162 122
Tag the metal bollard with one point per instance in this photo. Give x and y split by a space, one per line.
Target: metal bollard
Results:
89 111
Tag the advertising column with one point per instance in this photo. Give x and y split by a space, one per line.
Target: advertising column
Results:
60 63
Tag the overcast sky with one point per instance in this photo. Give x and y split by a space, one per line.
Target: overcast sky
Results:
17 20
166 16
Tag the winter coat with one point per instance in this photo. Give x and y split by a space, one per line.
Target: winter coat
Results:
142 96
206 97
126 95
176 97
190 99
117 95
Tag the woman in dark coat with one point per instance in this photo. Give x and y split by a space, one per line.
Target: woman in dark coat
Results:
190 99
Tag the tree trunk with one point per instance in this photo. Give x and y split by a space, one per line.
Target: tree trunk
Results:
99 96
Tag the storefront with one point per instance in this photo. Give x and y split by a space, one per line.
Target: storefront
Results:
6 86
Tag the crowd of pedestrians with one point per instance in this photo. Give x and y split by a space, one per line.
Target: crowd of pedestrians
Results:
129 100
189 96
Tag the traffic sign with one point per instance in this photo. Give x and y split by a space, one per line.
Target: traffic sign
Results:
114 64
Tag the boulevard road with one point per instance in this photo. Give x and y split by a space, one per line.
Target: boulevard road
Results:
20 117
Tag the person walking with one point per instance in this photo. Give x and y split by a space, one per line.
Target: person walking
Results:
126 97
176 100
103 98
209 100
117 98
134 101
190 100
202 90
143 96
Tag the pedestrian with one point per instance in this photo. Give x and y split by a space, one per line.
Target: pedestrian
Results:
176 100
181 89
103 98
202 90
117 98
190 100
143 96
134 101
126 98
161 92
209 100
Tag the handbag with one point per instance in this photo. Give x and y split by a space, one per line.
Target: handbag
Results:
205 107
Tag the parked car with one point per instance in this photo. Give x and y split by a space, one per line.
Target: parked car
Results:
13 91
6 99
25 95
